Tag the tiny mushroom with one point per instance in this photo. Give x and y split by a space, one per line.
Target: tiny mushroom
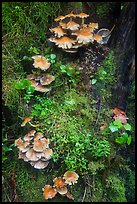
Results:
97 37
30 154
59 182
41 62
82 15
40 164
63 25
58 31
18 142
72 25
62 190
49 192
47 154
59 18
38 146
70 177
65 42
34 83
24 147
41 88
26 120
47 79
84 35
93 25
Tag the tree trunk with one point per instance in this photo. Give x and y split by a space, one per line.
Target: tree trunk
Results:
123 41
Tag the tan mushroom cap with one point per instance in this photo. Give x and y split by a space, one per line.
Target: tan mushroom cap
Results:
31 133
40 164
47 79
59 182
26 120
24 146
70 15
72 25
84 35
38 146
62 190
97 38
93 25
41 62
59 18
70 177
45 143
65 42
41 88
58 31
31 76
31 155
63 25
38 135
23 156
18 142
47 154
33 83
29 136
82 15
49 192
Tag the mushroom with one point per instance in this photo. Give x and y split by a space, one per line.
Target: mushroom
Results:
41 62
84 36
38 146
59 18
23 156
38 135
26 120
70 15
47 154
49 192
33 83
59 182
93 25
70 177
65 42
62 190
69 195
24 146
41 88
18 142
72 25
58 31
31 76
47 79
82 15
30 154
97 37
45 143
63 25
40 164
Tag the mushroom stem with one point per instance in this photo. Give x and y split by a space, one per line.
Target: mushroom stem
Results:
34 125
82 21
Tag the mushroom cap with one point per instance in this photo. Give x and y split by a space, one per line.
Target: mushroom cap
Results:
47 79
72 25
31 155
24 146
62 190
38 135
47 154
38 146
26 120
41 88
82 15
31 76
71 50
70 177
65 42
45 143
41 62
58 31
118 111
31 133
22 156
93 25
97 38
49 192
59 182
63 25
70 15
34 83
59 18
39 164
18 142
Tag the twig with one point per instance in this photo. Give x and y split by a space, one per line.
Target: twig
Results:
84 195
100 103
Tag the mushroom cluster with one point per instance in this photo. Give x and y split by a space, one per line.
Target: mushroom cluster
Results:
72 32
60 186
34 148
40 81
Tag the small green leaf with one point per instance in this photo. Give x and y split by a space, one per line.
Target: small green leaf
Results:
52 56
127 126
27 58
52 61
118 123
93 81
129 140
119 140
113 128
62 67
30 90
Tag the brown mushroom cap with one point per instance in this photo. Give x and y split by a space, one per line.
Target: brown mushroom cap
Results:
63 25
62 190
65 42
72 25
93 25
31 76
45 143
49 192
47 154
58 31
41 88
82 15
22 156
18 142
38 146
41 62
39 164
26 120
70 177
31 155
34 83
70 15
47 79
24 147
59 182
38 135
84 35
59 18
